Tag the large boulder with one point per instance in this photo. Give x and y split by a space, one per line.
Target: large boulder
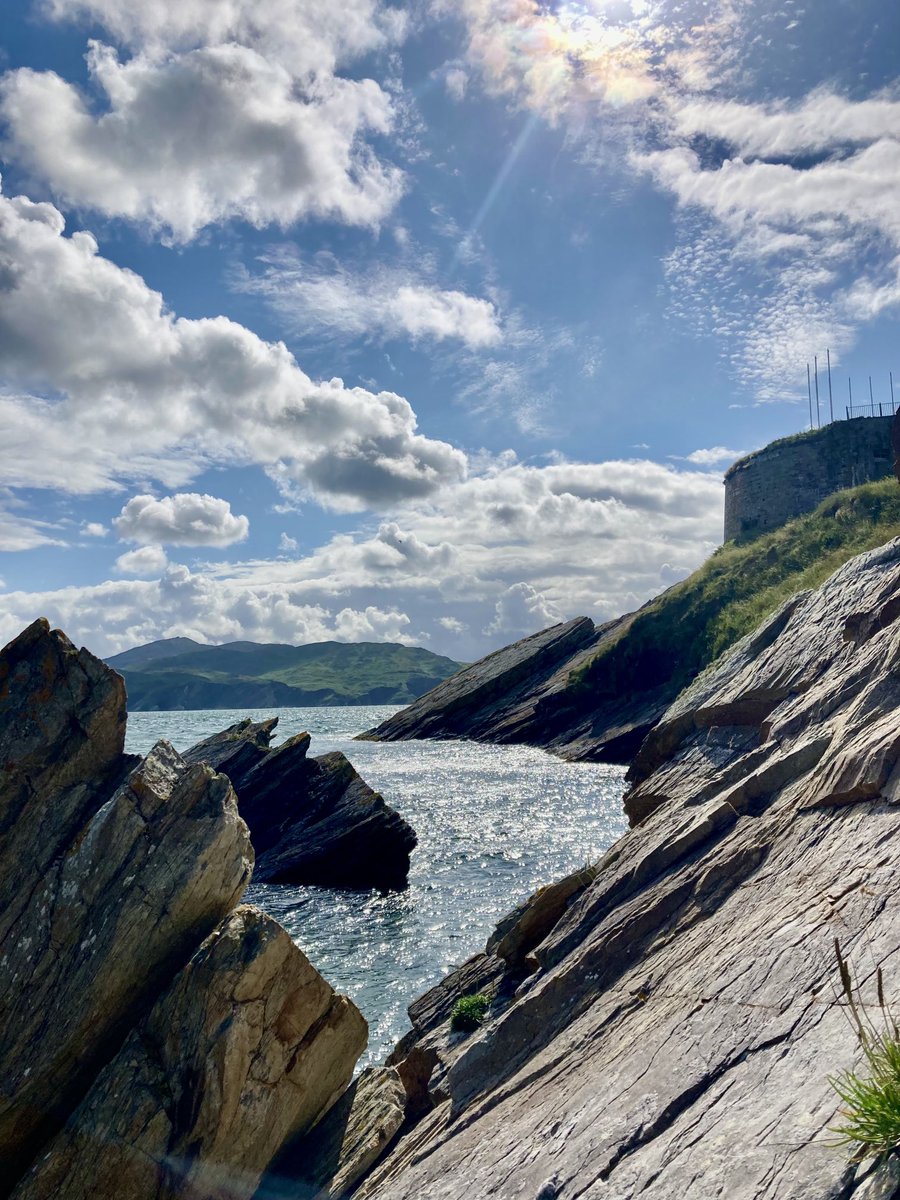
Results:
96 878
681 1020
312 820
247 1048
151 1044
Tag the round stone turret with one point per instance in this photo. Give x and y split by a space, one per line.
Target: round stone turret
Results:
795 474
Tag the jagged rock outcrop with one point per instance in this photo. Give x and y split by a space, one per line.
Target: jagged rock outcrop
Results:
149 1042
312 820
674 1031
85 892
247 1048
524 693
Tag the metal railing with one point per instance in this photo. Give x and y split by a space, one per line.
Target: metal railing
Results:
871 410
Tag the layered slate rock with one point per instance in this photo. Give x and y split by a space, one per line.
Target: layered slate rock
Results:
152 1046
524 693
312 820
107 889
679 1021
246 1049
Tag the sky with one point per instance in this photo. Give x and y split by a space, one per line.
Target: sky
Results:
431 322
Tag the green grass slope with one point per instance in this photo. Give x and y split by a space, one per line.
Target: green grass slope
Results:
254 675
680 632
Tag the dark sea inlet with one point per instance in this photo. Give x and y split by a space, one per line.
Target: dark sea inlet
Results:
494 823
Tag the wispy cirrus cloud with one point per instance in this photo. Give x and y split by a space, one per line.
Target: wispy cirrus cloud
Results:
790 229
811 246
584 61
320 296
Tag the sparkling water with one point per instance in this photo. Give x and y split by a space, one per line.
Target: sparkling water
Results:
494 823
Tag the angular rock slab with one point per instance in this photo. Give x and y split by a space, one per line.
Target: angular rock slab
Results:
62 731
113 917
249 1046
678 1036
312 820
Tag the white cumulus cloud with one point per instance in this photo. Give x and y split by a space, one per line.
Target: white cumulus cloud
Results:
137 393
521 610
185 519
308 36
512 547
146 562
712 456
198 138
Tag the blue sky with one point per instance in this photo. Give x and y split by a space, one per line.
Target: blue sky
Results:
428 322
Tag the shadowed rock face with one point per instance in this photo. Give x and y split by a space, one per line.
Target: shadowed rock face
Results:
151 1045
328 1162
522 693
312 820
673 1031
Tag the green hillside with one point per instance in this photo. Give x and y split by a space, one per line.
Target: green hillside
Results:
163 676
681 631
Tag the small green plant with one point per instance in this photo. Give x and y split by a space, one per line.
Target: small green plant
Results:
469 1012
871 1101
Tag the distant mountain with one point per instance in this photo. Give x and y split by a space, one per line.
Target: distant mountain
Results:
140 656
179 673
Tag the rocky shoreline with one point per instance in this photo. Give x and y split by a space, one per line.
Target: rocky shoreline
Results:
523 693
158 1038
663 1023
671 1027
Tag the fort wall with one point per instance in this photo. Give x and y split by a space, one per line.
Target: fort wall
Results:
794 475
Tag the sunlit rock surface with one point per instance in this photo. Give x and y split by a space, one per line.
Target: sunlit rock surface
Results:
151 1044
248 1047
673 1033
328 1161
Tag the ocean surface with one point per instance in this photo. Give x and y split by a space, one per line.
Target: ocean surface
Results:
494 824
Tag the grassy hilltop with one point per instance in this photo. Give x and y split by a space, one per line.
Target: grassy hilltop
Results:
673 637
180 674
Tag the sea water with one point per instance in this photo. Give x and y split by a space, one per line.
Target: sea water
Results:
494 823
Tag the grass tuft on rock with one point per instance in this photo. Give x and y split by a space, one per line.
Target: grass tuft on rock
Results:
870 1116
679 633
469 1012
871 1102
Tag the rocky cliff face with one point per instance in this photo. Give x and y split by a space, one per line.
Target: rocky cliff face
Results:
666 1026
523 693
153 1042
312 820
